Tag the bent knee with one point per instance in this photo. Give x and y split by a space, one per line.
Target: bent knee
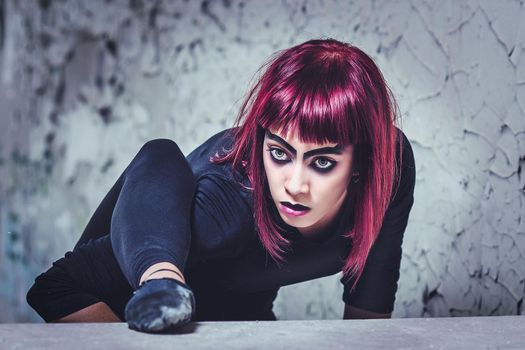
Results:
161 146
160 152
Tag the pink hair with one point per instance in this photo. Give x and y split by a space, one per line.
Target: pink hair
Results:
326 91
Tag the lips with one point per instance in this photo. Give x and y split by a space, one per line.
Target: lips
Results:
293 210
296 207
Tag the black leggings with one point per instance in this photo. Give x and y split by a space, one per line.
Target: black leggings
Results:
147 211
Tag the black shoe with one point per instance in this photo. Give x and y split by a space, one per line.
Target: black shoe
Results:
160 305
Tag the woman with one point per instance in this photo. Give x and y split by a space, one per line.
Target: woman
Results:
314 179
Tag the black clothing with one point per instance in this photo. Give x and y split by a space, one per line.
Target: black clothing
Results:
160 305
164 203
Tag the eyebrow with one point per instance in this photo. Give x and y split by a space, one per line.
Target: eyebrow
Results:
324 150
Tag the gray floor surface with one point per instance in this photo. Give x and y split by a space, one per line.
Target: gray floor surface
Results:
503 332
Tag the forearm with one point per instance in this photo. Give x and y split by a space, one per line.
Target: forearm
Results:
352 312
98 312
77 285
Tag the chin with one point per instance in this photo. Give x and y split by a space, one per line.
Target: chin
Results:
298 222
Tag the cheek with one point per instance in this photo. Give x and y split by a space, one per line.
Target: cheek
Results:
271 171
331 189
267 167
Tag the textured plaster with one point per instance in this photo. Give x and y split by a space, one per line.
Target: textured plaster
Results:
86 83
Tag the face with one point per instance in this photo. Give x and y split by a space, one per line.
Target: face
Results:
308 181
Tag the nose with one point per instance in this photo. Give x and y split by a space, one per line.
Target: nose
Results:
297 182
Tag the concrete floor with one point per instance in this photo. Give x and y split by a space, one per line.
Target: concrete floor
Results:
503 332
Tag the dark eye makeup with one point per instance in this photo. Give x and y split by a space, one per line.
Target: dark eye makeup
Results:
278 154
320 164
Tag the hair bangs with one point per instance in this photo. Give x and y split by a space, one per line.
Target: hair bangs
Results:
316 112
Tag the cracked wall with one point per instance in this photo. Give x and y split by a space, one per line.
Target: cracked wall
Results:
86 83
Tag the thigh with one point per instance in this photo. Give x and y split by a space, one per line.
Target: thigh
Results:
100 222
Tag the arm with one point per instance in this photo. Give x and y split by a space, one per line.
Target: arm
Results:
86 285
375 290
98 312
352 313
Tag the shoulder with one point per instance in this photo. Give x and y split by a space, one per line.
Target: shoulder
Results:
220 142
405 158
199 159
405 178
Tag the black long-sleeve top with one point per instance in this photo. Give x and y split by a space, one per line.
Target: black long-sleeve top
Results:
231 274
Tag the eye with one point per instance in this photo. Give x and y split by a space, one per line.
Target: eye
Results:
278 154
324 164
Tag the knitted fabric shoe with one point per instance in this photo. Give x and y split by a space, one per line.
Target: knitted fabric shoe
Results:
160 305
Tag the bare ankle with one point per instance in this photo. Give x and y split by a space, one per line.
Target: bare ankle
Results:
162 270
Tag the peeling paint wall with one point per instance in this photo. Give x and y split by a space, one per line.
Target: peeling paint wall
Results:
86 83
